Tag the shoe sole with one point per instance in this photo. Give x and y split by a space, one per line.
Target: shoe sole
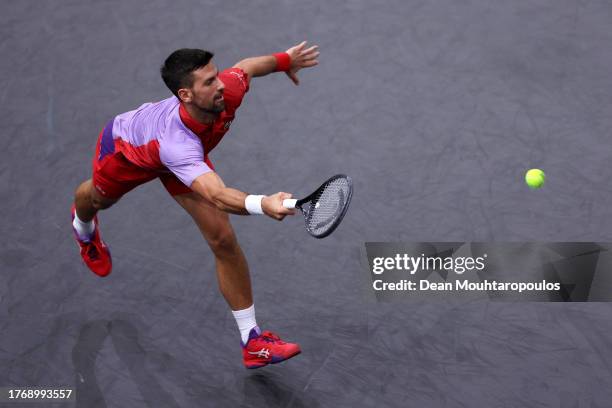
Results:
255 366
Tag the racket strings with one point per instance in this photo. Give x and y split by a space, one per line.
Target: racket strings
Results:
327 206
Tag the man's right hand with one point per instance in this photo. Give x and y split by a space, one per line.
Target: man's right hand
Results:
272 206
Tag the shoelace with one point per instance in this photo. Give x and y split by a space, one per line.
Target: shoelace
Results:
270 337
92 251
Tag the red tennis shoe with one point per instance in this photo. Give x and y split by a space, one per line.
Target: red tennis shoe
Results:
95 253
266 348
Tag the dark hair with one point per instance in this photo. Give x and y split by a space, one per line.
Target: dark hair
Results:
177 69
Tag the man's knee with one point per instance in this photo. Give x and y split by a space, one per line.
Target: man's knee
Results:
102 203
86 195
223 242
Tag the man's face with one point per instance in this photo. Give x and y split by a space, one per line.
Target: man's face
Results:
207 90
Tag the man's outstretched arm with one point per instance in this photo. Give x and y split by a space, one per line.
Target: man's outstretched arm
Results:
210 186
294 59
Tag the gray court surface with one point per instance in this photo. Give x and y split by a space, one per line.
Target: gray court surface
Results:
435 108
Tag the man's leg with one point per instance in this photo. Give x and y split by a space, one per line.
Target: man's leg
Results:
258 349
112 177
88 201
95 253
232 269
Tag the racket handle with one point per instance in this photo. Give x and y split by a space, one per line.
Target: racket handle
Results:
289 203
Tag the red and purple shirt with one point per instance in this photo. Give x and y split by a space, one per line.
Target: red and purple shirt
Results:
162 136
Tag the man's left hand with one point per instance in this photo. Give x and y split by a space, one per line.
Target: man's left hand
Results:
301 57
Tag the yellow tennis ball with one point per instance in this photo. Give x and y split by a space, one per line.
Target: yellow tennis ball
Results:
535 178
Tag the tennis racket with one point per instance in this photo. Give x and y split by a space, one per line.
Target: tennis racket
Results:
325 208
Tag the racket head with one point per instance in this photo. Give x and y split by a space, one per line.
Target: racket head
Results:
325 208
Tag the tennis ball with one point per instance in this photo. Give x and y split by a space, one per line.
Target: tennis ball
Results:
535 178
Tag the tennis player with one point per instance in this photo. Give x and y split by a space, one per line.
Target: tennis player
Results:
172 140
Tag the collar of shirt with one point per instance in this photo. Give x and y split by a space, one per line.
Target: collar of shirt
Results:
196 127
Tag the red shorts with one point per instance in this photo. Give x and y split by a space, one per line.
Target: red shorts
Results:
114 175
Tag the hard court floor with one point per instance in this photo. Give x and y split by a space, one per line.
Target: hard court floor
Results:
435 108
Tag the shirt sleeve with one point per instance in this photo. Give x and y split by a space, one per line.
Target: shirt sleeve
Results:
236 83
184 157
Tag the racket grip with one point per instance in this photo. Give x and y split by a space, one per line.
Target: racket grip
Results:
289 203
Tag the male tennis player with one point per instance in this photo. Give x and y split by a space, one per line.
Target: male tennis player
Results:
171 140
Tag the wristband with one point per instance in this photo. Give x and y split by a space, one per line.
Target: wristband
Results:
252 203
283 62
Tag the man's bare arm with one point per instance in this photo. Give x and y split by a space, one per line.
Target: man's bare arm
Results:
211 187
300 57
257 66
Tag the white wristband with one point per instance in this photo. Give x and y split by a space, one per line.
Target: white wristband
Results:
252 203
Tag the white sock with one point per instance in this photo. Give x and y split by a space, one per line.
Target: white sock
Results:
85 230
245 319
